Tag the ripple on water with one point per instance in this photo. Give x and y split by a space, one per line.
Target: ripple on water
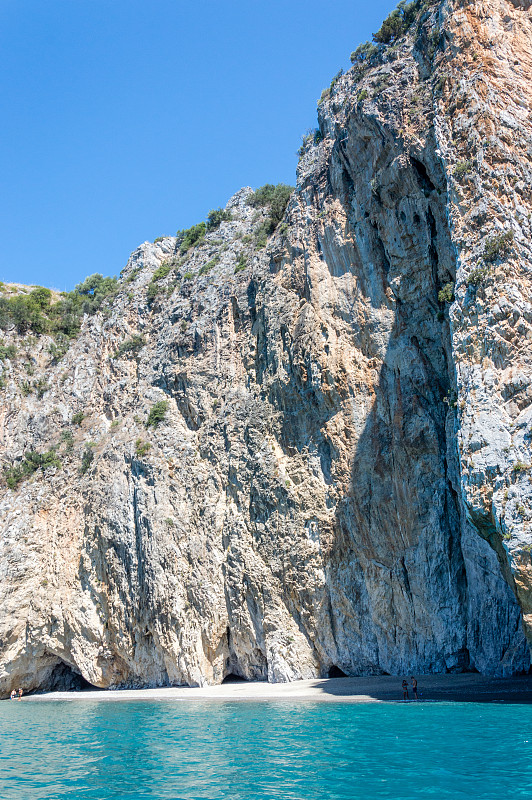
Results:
264 751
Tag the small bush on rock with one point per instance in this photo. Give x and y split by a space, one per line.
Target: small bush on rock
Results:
217 216
209 265
141 448
131 347
497 246
190 237
31 462
364 52
86 460
477 276
68 438
8 351
462 169
241 264
161 272
446 293
276 198
397 23
157 414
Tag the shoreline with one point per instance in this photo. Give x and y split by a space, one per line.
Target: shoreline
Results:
465 687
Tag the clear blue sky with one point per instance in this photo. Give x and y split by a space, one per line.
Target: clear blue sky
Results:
123 120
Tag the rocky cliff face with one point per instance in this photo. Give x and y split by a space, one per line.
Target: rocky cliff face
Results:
341 478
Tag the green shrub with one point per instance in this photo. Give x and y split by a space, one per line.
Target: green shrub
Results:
335 80
68 438
31 462
362 95
441 81
40 387
8 351
462 169
209 265
216 216
162 271
78 418
364 52
311 137
276 198
152 291
397 23
132 275
306 139
41 296
521 466
141 448
59 348
93 292
261 234
478 276
159 239
497 246
190 237
446 293
188 276
241 264
86 459
324 96
170 289
26 312
35 311
157 414
130 347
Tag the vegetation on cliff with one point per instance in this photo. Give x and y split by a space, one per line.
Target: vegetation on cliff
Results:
37 312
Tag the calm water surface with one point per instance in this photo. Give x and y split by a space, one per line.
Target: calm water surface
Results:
264 751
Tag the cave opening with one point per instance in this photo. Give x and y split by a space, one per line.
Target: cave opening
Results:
233 678
65 678
336 672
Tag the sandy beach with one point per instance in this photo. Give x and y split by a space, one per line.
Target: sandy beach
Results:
443 688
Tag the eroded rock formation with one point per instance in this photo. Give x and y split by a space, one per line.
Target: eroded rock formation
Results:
341 478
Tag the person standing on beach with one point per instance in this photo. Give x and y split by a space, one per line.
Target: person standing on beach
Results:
405 690
20 694
13 695
414 688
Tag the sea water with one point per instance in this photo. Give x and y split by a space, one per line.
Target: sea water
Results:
264 750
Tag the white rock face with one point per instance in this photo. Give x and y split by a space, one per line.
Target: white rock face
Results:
336 480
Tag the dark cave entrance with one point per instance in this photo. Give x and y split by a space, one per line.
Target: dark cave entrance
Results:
336 672
232 678
64 678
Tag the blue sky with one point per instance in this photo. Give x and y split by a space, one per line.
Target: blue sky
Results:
124 120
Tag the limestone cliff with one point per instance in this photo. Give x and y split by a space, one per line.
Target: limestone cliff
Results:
341 477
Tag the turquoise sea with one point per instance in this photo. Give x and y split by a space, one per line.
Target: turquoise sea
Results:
264 751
